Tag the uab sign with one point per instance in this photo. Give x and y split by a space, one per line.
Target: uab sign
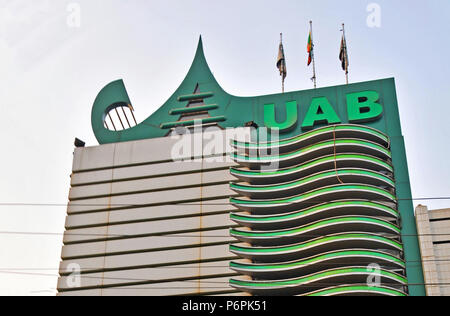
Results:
361 107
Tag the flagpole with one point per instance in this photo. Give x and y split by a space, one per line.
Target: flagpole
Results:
282 76
346 53
313 57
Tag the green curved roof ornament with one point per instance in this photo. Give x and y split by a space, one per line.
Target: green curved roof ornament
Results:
199 78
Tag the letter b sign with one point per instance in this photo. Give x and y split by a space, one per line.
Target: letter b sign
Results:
363 107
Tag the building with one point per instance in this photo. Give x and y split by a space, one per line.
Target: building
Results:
299 193
434 238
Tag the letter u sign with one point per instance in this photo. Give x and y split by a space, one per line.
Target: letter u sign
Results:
270 119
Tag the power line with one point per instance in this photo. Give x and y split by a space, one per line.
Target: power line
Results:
185 266
197 204
83 276
122 279
181 267
174 234
205 280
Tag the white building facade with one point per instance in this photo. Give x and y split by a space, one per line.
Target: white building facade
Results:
433 227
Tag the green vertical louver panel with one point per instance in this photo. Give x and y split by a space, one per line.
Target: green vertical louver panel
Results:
332 222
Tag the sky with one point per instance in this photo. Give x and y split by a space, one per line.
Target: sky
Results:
56 55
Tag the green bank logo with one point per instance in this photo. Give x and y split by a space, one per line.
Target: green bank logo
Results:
362 107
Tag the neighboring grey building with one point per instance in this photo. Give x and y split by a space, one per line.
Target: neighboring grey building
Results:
434 237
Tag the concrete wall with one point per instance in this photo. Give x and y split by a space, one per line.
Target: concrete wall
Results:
434 237
140 223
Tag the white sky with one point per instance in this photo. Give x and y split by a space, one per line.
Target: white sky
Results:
51 74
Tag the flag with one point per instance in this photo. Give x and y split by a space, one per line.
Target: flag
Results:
343 55
310 48
281 61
